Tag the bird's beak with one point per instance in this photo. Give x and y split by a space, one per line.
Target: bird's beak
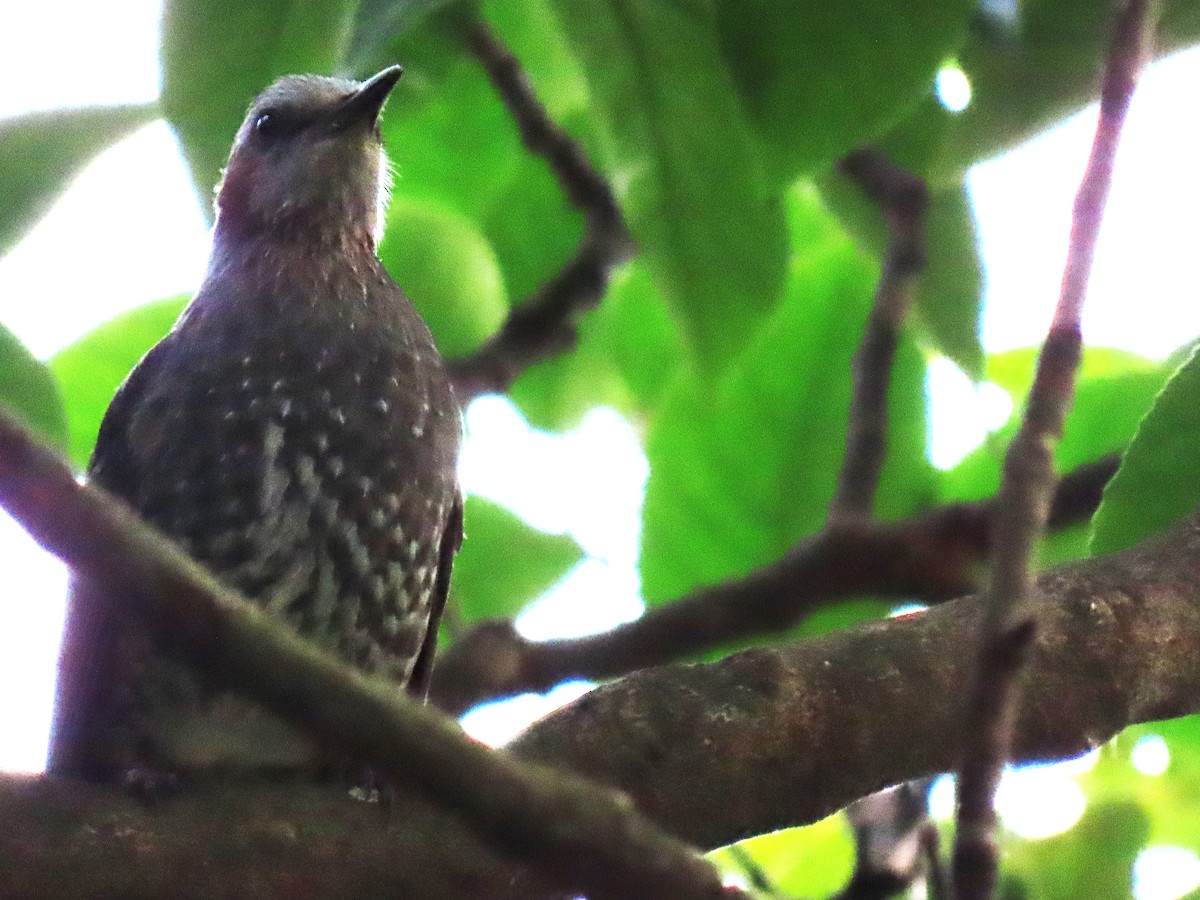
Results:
365 104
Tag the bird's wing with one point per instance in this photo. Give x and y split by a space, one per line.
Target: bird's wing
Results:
86 711
418 684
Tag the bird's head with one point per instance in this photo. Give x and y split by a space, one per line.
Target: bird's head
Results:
308 162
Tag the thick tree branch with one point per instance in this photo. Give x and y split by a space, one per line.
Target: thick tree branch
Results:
1028 483
545 324
770 738
903 199
759 741
249 840
586 838
935 556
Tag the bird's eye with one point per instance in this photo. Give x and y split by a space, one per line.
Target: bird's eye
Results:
268 126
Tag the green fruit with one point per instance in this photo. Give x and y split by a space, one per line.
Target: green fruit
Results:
448 269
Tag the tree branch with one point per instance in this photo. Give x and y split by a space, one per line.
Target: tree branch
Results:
771 738
934 555
584 837
762 740
903 199
1028 483
544 325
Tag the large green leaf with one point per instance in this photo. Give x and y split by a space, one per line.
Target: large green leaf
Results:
28 389
820 78
740 469
505 564
41 152
453 143
949 292
627 350
91 369
1114 389
672 136
217 55
1093 859
1023 80
1159 479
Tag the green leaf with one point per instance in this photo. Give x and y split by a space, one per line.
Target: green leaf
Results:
1094 859
41 152
505 564
813 861
1158 482
448 270
1113 391
671 134
819 79
949 293
218 55
740 469
377 23
91 369
440 117
28 390
628 348
1023 81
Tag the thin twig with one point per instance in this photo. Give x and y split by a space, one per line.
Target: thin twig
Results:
935 555
1025 491
903 199
884 827
545 324
589 838
936 880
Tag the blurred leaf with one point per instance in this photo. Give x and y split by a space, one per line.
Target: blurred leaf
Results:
813 861
41 152
1168 799
1113 392
91 369
505 564
218 55
448 270
1094 859
533 229
377 23
628 348
440 117
739 470
1023 80
1159 479
531 30
28 390
686 165
949 293
819 79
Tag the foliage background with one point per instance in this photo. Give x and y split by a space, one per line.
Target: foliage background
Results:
728 340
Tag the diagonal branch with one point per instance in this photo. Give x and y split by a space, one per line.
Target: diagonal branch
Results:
903 199
584 837
1028 483
934 555
545 324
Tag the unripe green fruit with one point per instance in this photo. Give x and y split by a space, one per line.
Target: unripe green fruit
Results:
449 271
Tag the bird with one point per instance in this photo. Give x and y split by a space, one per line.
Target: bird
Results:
296 432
